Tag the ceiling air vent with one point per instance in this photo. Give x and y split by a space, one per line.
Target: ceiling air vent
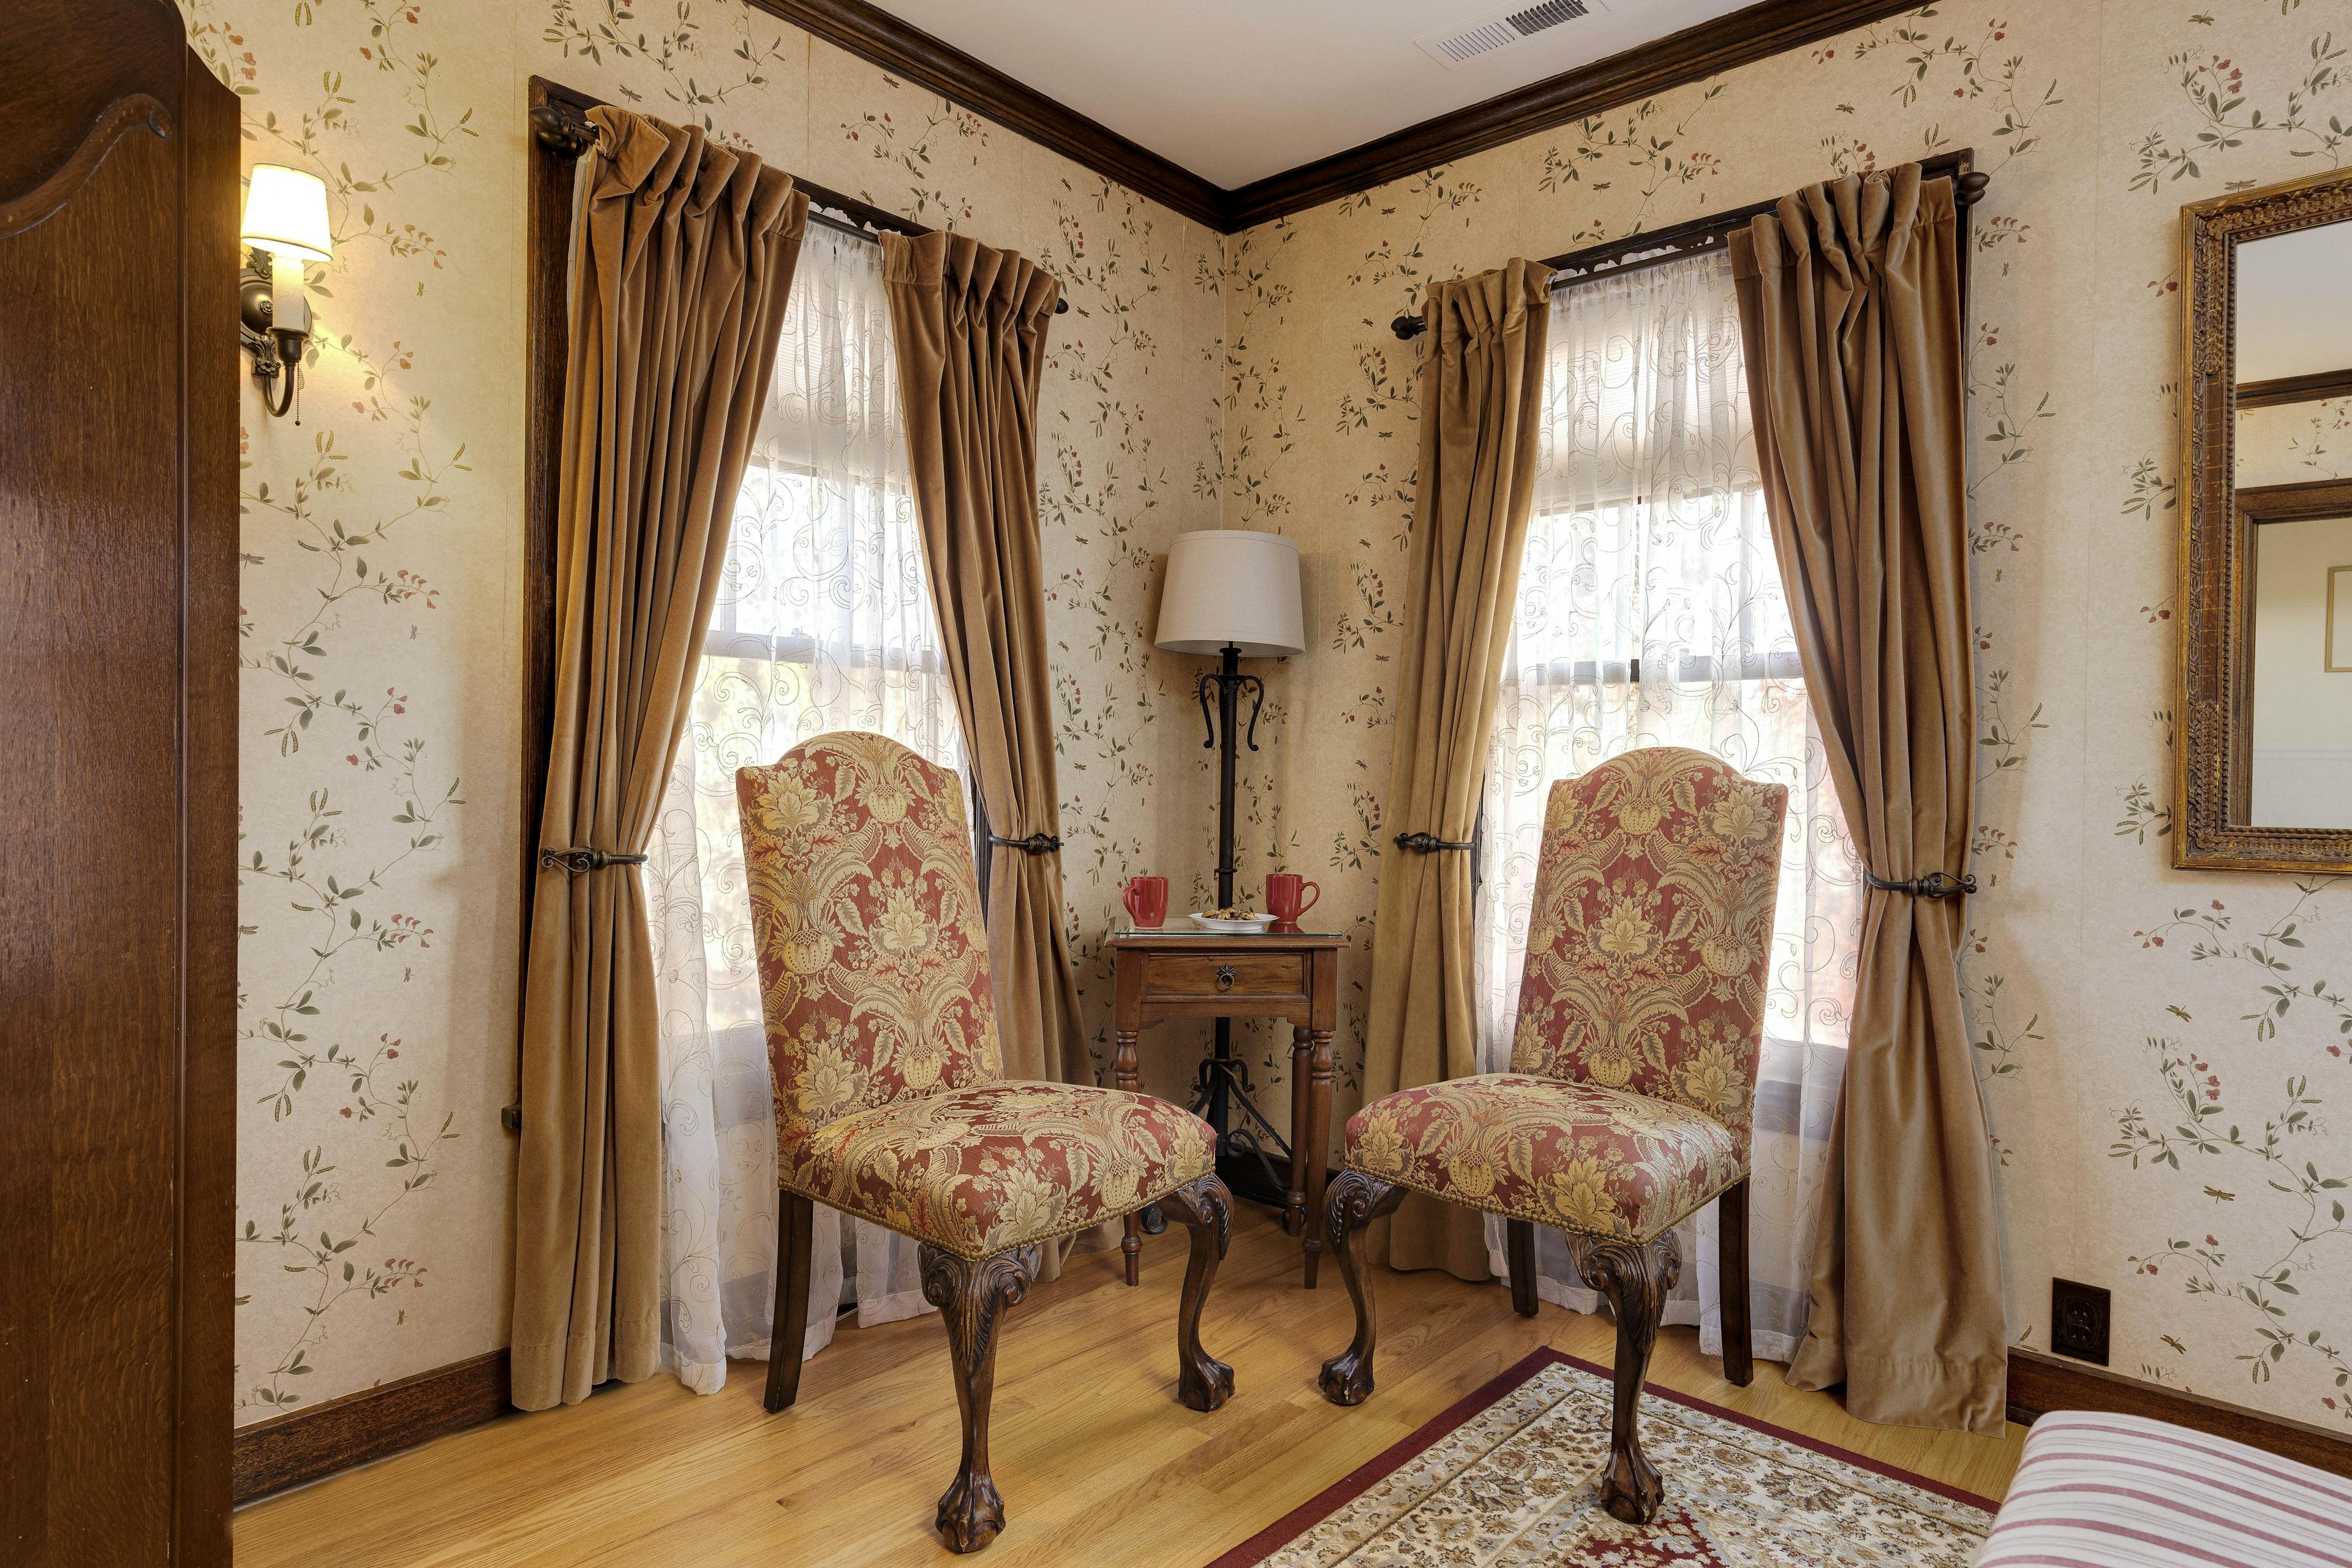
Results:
1502 29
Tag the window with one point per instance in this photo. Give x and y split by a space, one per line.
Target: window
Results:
824 622
1650 613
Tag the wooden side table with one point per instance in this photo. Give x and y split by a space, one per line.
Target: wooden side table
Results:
1203 976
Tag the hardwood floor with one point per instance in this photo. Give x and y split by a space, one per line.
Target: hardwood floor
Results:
1097 1462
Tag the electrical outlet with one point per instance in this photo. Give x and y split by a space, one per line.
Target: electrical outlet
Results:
2078 1320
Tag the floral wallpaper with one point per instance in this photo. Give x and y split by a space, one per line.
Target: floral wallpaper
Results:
2163 1054
381 905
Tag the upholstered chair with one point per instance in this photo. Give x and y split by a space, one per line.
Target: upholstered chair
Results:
1633 1081
891 1103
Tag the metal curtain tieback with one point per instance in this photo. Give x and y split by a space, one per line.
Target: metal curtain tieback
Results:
1427 843
1035 844
1934 885
578 860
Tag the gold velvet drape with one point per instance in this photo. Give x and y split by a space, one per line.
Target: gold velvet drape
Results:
1849 305
1481 409
684 258
970 327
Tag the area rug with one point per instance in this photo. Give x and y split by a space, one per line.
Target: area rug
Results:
1506 1478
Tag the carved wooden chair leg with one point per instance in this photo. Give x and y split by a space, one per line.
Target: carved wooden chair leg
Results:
1635 1276
970 1295
1731 1252
1355 1202
1519 1253
1206 1209
795 1217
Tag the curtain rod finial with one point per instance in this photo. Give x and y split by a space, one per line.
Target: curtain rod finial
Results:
1408 328
1970 188
562 129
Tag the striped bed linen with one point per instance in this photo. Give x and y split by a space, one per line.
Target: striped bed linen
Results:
2096 1490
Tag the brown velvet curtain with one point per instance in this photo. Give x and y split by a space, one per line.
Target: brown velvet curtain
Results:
1849 304
970 325
1481 409
684 256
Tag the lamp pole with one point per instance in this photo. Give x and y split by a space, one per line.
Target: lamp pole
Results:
1224 731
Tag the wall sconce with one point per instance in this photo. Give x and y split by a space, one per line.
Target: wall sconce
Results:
285 225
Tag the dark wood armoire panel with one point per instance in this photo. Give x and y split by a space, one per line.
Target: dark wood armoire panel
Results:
118 786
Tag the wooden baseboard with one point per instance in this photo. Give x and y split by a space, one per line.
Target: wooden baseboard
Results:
307 1445
2039 1383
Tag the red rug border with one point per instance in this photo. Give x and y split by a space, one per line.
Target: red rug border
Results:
1394 1458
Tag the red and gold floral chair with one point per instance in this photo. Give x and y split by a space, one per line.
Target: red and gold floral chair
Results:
1633 1080
890 1098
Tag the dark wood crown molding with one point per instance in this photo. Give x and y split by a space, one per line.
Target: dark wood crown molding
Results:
1708 49
904 50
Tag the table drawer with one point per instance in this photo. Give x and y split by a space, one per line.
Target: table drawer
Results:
1175 975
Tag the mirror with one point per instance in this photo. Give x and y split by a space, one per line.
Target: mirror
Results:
2264 720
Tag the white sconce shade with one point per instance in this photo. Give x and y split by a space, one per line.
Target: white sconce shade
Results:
1232 587
286 213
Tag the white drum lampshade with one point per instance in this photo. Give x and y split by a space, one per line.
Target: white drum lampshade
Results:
1231 587
286 213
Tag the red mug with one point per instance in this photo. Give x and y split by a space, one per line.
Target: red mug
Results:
1147 901
1283 891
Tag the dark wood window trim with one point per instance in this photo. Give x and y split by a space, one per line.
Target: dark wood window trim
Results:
1706 50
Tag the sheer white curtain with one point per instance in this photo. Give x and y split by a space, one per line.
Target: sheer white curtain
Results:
1650 613
822 622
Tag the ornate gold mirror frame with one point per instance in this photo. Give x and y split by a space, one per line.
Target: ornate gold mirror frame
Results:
2214 704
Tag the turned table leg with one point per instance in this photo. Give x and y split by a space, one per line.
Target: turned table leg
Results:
1125 1073
1294 1209
1635 1276
1316 1150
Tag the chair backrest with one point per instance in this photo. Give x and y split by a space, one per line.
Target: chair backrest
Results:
867 922
1650 943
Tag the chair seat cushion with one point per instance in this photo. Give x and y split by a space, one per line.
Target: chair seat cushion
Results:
981 1170
1573 1155
2122 1491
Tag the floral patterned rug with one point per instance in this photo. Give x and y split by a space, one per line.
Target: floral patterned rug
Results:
1505 1479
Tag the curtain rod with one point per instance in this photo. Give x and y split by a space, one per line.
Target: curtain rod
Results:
857 231
1702 235
561 126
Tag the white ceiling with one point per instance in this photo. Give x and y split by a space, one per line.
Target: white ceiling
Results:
1238 90
2295 317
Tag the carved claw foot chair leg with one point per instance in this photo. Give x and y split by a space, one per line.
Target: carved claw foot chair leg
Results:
1206 1209
1731 1252
970 1295
1635 1276
1355 1202
795 1215
1519 1253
